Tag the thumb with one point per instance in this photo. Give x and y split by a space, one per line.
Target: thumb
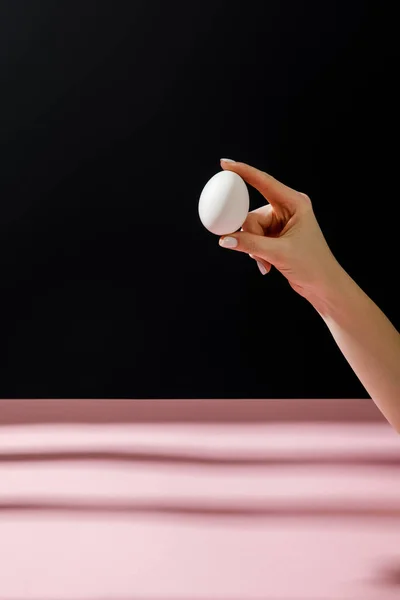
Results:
258 245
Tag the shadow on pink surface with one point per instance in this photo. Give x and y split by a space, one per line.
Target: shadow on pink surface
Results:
198 460
205 510
390 575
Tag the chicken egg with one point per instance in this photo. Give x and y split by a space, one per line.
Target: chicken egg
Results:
224 203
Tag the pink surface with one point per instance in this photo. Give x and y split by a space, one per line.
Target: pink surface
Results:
159 507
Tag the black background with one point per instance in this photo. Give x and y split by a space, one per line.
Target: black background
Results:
113 117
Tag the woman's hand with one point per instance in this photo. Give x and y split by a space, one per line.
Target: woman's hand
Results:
284 233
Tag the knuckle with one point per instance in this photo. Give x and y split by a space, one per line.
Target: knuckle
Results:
305 199
251 246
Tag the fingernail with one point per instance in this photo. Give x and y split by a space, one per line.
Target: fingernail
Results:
251 255
228 242
263 270
227 160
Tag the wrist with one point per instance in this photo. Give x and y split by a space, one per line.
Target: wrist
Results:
332 292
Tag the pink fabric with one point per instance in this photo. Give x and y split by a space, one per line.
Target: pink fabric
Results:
159 509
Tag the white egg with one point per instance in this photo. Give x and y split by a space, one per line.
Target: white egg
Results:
224 203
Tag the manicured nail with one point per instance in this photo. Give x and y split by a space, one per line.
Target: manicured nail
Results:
227 160
228 242
263 270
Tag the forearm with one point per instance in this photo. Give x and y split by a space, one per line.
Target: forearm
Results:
367 339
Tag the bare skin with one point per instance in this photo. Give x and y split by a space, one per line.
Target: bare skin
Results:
285 234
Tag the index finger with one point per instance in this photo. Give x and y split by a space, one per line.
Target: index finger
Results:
278 194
